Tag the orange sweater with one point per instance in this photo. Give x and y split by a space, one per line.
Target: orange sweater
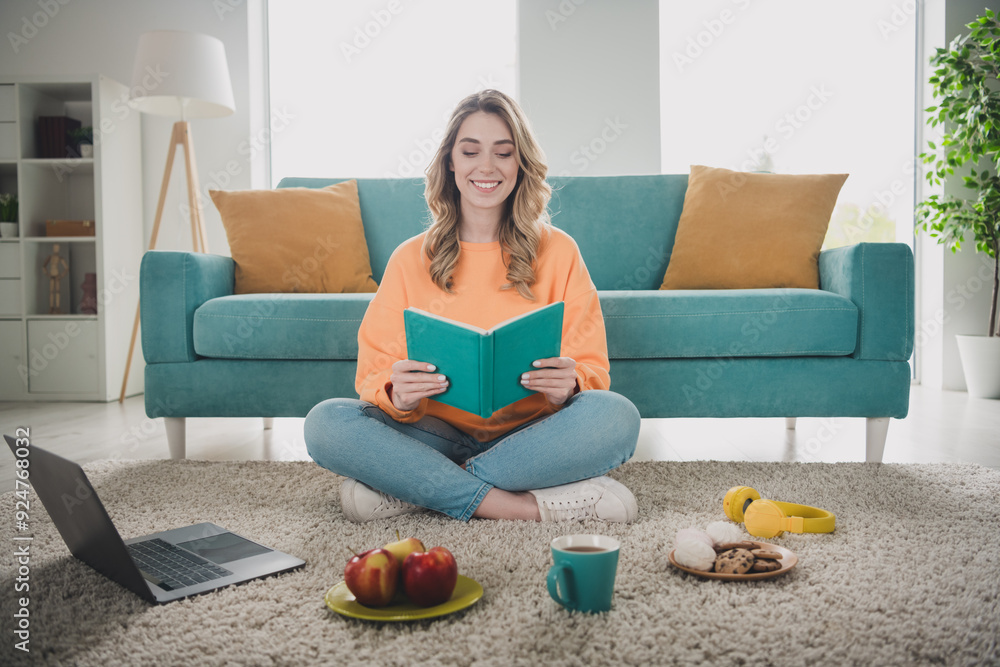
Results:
560 275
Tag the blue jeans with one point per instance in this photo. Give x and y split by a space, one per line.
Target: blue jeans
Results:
420 463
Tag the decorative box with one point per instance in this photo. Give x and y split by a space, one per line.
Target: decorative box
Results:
69 228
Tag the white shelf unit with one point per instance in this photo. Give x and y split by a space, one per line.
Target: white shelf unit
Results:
70 356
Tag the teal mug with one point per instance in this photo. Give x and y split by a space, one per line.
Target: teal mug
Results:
582 577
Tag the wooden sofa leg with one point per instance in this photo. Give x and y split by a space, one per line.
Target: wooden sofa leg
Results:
876 429
176 436
790 423
268 423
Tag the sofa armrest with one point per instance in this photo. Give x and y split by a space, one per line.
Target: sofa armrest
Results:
172 285
878 278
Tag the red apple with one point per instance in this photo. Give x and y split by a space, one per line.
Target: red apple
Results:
372 577
429 577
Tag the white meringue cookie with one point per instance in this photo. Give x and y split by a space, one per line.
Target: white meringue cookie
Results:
693 534
695 554
722 532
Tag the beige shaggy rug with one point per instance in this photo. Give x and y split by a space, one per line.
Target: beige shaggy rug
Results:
910 577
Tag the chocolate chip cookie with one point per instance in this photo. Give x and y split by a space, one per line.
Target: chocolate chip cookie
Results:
734 561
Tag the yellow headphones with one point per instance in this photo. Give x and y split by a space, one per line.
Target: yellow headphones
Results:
770 518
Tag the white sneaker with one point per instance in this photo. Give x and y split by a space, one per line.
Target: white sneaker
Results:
595 498
361 502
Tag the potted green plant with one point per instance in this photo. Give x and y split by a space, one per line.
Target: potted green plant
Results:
968 106
83 139
8 215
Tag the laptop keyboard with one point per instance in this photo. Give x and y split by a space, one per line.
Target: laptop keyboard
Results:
171 567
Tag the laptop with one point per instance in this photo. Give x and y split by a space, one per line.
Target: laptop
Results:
161 567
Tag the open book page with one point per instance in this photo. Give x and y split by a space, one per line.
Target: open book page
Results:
456 323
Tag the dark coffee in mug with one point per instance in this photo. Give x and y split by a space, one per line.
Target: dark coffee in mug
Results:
582 576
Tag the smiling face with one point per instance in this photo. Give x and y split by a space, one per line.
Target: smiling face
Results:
485 165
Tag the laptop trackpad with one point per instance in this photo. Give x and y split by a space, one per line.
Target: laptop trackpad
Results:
224 548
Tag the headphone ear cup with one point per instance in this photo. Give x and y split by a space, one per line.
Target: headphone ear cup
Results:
736 498
764 518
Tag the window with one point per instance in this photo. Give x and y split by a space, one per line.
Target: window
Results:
364 89
821 87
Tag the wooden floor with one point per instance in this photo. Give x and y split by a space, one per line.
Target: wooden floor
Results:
941 427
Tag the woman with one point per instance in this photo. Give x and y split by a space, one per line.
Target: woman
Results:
489 255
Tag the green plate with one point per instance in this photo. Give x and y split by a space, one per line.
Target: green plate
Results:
339 599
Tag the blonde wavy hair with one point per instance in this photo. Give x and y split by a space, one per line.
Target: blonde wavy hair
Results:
525 218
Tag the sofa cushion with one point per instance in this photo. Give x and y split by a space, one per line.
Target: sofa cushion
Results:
640 325
280 326
740 230
393 209
297 239
728 323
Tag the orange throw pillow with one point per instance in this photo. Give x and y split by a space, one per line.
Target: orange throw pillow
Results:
297 239
744 230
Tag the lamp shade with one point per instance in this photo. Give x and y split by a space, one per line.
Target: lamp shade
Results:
181 74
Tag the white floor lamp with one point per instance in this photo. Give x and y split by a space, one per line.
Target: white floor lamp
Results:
184 75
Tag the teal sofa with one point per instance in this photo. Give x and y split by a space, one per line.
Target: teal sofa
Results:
839 351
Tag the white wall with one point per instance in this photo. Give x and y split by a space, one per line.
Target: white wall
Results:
955 289
589 80
100 36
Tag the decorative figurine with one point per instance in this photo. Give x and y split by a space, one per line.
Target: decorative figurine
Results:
88 304
55 267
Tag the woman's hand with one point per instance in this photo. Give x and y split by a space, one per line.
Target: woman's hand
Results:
556 379
412 381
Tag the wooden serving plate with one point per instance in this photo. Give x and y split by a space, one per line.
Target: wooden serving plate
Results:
788 561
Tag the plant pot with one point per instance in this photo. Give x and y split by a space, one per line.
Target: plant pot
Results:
981 364
86 150
8 230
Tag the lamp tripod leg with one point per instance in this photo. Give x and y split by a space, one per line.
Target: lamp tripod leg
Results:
198 236
176 137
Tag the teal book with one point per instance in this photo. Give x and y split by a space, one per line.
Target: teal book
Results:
483 367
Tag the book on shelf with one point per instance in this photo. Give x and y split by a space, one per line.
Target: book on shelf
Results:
483 367
53 136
